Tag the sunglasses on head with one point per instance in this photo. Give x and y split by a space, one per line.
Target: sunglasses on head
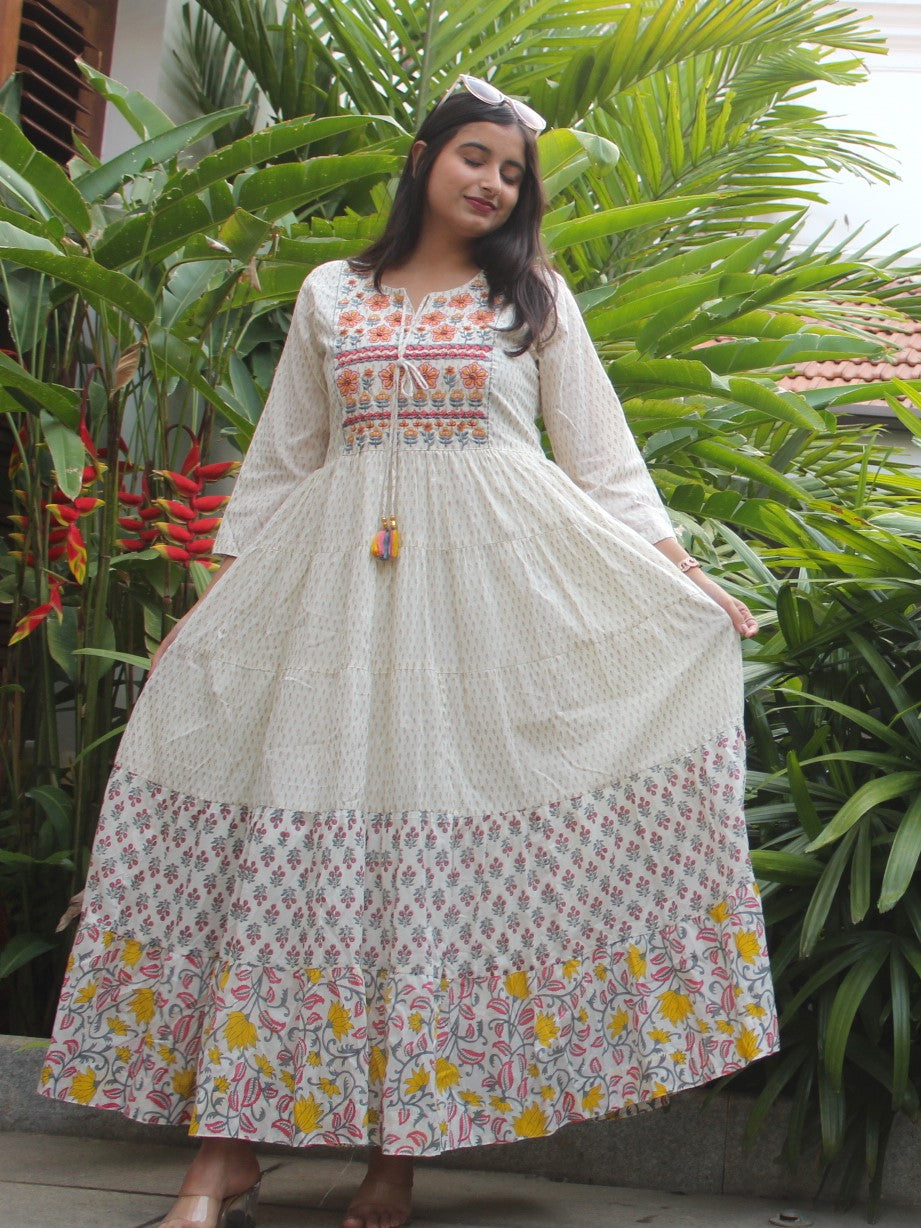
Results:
486 92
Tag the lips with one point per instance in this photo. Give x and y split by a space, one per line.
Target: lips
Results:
481 206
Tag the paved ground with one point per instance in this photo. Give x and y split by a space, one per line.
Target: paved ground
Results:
55 1181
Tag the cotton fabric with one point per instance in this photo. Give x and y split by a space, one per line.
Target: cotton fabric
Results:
443 850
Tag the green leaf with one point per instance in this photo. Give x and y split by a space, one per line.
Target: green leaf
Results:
847 1002
100 183
21 950
67 454
46 179
98 284
870 795
276 190
58 806
802 800
144 116
903 857
63 403
615 221
108 654
787 868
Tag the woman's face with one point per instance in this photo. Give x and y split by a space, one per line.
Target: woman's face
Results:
474 182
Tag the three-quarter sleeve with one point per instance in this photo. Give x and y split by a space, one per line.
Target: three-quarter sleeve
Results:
291 438
591 440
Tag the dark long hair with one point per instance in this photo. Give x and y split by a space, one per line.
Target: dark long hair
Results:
512 257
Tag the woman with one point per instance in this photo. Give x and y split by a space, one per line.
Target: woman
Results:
440 842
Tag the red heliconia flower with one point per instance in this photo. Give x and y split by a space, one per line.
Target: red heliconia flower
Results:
130 523
130 500
177 533
192 457
131 544
207 504
204 545
175 554
180 483
207 525
75 548
218 470
175 509
36 617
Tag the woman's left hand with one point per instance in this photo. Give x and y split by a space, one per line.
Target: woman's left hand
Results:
742 618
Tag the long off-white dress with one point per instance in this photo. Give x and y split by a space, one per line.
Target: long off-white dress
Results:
441 850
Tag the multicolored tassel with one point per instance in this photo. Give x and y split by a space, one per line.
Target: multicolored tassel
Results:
385 544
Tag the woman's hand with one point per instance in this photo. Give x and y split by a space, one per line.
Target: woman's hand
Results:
742 618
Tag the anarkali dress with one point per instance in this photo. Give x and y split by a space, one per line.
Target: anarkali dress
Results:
440 849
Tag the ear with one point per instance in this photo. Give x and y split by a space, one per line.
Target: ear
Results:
416 153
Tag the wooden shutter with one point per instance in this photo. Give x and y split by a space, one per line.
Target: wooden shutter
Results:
41 40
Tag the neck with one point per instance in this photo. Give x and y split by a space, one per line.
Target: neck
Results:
443 251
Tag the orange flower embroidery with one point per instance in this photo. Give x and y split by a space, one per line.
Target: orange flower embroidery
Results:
460 301
380 333
443 332
347 382
378 302
387 375
429 374
350 319
474 376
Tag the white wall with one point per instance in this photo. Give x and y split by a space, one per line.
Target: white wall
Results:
136 55
888 105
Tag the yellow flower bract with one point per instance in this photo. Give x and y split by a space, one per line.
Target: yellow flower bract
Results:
619 1021
340 1020
545 1028
592 1098
131 953
747 1045
184 1082
83 1087
675 1006
636 963
240 1032
516 984
141 1004
532 1123
307 1114
417 1081
446 1074
377 1064
748 946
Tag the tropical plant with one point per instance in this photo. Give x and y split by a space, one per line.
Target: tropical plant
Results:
139 327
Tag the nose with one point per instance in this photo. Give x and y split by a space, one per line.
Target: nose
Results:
489 180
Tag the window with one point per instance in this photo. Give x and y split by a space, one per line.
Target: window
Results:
41 40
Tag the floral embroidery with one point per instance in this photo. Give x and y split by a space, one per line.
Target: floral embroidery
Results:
451 347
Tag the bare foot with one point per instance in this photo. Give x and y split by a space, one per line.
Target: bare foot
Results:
221 1168
384 1198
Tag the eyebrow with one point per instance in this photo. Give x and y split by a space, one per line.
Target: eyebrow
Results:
486 150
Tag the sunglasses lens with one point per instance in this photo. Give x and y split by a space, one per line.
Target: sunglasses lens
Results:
483 90
488 93
528 116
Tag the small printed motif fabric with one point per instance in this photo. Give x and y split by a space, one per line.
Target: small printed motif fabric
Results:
440 851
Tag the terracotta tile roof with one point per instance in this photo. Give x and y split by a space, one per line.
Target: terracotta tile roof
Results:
904 362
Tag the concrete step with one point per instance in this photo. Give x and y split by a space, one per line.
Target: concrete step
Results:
50 1180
